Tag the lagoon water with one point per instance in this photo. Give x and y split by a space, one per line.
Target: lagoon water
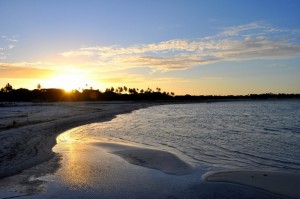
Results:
225 135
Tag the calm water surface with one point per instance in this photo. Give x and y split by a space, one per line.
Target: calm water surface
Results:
229 135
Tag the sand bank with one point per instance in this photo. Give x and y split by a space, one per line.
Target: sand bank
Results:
283 183
29 145
151 158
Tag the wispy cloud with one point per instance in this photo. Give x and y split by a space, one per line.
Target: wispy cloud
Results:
127 78
12 40
123 78
6 44
246 42
38 64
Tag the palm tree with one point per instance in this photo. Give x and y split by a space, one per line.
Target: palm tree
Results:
39 86
149 90
132 90
8 88
121 89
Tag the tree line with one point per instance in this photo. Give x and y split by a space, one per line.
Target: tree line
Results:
8 94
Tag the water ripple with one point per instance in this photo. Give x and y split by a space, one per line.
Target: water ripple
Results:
257 134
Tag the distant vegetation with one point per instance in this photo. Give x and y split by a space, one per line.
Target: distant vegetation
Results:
8 94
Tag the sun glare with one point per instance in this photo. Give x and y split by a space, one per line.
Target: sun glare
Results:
68 82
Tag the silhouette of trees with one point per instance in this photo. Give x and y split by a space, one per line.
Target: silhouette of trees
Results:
119 90
8 88
149 90
125 89
7 93
132 91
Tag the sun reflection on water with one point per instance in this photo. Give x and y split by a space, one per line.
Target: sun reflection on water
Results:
84 164
77 164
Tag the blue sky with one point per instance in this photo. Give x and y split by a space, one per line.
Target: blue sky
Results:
196 47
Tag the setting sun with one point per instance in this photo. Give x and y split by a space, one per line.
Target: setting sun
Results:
68 82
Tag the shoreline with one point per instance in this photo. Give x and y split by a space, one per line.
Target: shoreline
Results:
36 141
281 183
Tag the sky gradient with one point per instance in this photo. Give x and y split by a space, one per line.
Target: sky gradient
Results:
196 47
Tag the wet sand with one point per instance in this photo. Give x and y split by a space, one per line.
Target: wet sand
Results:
283 183
151 158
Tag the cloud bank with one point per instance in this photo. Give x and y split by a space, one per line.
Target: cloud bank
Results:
245 42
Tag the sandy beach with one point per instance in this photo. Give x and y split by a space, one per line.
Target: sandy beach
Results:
93 168
23 146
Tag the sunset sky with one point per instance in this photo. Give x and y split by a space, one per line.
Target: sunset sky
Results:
198 47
